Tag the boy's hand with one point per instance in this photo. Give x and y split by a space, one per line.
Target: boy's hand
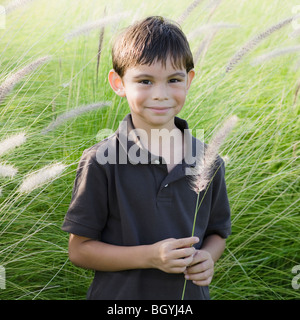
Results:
174 255
201 269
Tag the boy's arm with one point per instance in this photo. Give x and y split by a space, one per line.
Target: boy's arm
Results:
202 268
170 255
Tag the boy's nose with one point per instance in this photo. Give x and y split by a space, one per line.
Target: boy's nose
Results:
160 92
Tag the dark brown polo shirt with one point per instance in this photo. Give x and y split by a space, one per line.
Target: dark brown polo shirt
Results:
140 203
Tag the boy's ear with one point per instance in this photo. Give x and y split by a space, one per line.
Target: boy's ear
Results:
190 77
116 83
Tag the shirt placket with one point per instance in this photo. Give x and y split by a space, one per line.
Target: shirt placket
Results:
165 189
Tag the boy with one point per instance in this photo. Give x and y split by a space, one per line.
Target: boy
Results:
131 221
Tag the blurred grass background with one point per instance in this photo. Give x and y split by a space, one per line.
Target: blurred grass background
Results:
262 172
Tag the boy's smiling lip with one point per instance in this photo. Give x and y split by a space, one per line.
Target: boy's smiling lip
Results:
159 109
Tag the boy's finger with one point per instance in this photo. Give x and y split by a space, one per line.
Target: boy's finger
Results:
182 263
199 275
184 252
203 283
184 242
201 262
200 256
198 267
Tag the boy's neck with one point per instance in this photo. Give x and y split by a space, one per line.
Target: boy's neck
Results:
152 139
155 144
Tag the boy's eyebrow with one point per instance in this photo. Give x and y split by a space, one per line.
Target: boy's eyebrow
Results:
145 75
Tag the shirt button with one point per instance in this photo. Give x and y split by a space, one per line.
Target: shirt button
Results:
166 185
156 161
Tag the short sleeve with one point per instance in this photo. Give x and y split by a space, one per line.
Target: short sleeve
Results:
219 220
87 213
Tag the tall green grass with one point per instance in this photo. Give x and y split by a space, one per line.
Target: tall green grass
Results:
262 172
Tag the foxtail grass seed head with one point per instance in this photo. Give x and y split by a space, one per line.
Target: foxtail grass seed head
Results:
65 85
13 5
250 45
275 53
103 133
296 65
7 170
226 159
201 174
210 27
74 113
139 12
295 33
296 92
12 142
188 11
203 47
7 86
101 38
90 26
41 177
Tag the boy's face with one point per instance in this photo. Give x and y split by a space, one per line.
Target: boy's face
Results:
155 94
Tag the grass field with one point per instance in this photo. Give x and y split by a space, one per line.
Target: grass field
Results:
262 152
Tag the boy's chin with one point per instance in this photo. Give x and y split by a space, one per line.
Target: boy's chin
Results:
156 120
162 121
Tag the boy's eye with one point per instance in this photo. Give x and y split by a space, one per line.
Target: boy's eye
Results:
175 80
145 82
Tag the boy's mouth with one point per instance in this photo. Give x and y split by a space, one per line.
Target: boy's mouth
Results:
159 109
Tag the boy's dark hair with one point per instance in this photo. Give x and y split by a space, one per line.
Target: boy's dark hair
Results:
152 39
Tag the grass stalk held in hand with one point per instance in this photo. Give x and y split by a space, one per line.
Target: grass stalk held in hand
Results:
202 174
